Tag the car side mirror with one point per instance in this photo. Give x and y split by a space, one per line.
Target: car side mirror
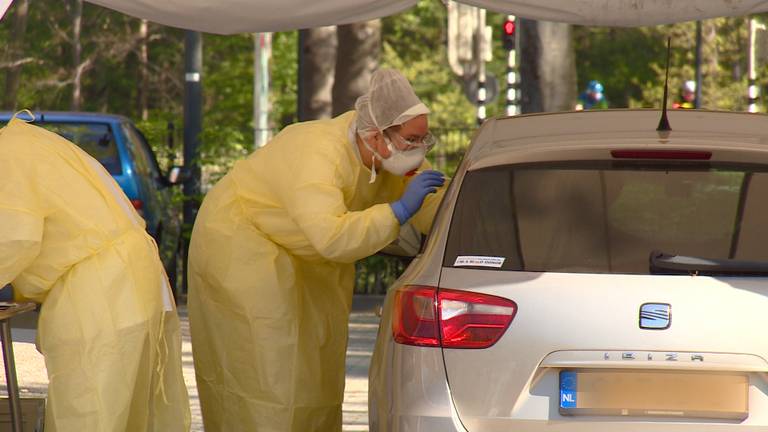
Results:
407 244
176 175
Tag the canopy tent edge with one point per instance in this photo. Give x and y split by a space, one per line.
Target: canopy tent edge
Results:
251 16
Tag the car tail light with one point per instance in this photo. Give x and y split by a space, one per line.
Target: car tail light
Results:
661 154
414 321
426 316
137 204
472 320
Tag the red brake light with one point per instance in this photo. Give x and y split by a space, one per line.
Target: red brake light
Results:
465 319
137 204
472 320
414 320
661 154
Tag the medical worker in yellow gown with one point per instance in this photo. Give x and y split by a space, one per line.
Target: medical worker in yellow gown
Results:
271 262
108 328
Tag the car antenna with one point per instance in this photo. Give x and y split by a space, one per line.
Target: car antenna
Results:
664 122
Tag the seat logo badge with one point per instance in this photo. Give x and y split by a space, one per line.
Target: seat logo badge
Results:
655 316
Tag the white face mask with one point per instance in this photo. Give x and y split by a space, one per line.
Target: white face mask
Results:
399 162
402 162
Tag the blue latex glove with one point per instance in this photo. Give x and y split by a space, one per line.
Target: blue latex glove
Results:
425 183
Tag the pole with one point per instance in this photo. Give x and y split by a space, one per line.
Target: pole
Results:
697 102
512 108
301 106
454 38
753 91
262 54
193 120
10 376
480 58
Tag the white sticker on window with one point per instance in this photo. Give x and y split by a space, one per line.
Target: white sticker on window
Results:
479 261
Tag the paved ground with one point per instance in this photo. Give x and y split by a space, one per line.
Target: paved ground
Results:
33 382
362 336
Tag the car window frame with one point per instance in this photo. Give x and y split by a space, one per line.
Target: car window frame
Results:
129 131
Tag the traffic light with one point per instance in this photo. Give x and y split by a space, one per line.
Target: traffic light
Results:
508 29
508 34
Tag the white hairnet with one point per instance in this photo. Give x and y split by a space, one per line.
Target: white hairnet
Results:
390 101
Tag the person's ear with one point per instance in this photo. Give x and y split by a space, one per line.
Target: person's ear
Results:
380 144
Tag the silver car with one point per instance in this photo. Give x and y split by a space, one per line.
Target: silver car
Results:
587 272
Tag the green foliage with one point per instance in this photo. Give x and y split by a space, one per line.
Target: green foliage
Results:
414 43
601 54
166 142
228 116
283 78
376 273
228 74
631 62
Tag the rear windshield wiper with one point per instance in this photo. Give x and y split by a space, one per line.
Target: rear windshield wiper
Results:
661 263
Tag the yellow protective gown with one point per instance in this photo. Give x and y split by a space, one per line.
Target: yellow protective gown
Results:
108 329
271 271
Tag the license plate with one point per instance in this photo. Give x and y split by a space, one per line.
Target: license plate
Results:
653 393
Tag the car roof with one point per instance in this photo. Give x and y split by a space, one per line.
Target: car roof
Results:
572 135
69 116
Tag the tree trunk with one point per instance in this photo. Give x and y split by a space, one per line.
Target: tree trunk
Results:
15 49
530 81
547 66
359 48
557 66
77 53
317 58
143 75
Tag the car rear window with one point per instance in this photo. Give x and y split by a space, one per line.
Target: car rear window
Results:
607 217
95 138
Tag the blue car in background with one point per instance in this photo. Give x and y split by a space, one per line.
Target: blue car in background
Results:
123 150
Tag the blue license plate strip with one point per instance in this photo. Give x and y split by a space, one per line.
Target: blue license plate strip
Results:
653 393
568 389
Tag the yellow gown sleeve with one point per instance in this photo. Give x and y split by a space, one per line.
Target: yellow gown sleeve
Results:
316 204
21 234
21 214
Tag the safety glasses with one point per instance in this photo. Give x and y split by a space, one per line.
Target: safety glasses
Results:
427 142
